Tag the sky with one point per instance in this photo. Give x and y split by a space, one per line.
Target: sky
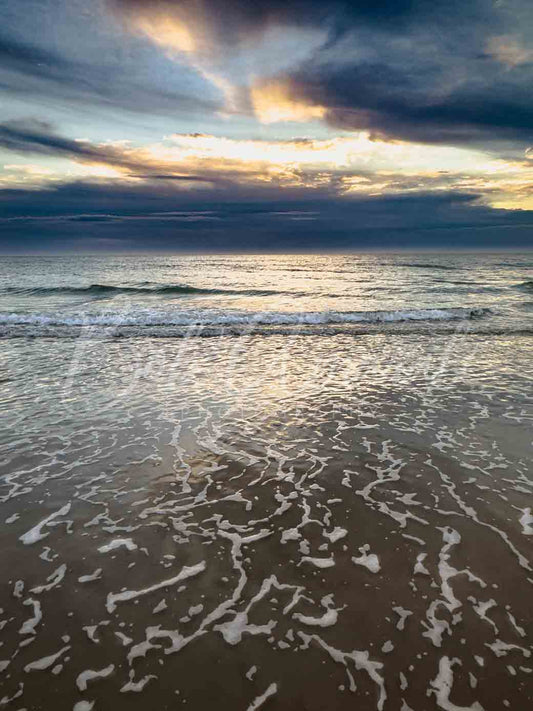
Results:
272 125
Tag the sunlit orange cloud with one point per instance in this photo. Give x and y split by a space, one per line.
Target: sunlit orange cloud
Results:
358 151
176 26
273 103
184 37
169 32
353 164
188 34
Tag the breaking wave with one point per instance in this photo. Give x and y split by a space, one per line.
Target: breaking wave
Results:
152 317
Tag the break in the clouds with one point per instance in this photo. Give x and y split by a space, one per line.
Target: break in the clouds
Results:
166 120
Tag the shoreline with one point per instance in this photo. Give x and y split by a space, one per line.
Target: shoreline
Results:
316 529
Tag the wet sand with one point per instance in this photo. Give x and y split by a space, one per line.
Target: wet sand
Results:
246 534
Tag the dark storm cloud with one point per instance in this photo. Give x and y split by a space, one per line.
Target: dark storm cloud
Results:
390 103
228 21
453 73
144 216
425 70
434 71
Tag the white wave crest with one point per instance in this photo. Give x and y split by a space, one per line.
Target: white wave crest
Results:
212 317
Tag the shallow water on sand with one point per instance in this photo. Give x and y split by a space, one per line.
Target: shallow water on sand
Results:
292 522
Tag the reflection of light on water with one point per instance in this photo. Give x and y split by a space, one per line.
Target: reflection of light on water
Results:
290 284
225 491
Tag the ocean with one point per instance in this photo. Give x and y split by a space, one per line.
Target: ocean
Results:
160 296
290 481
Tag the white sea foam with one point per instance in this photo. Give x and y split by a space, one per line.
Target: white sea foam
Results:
215 317
442 687
52 580
35 534
250 673
186 572
368 560
118 543
526 520
260 700
45 662
91 674
319 562
29 625
328 619
336 534
137 686
92 576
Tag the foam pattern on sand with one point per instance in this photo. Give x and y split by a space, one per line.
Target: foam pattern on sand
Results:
341 523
